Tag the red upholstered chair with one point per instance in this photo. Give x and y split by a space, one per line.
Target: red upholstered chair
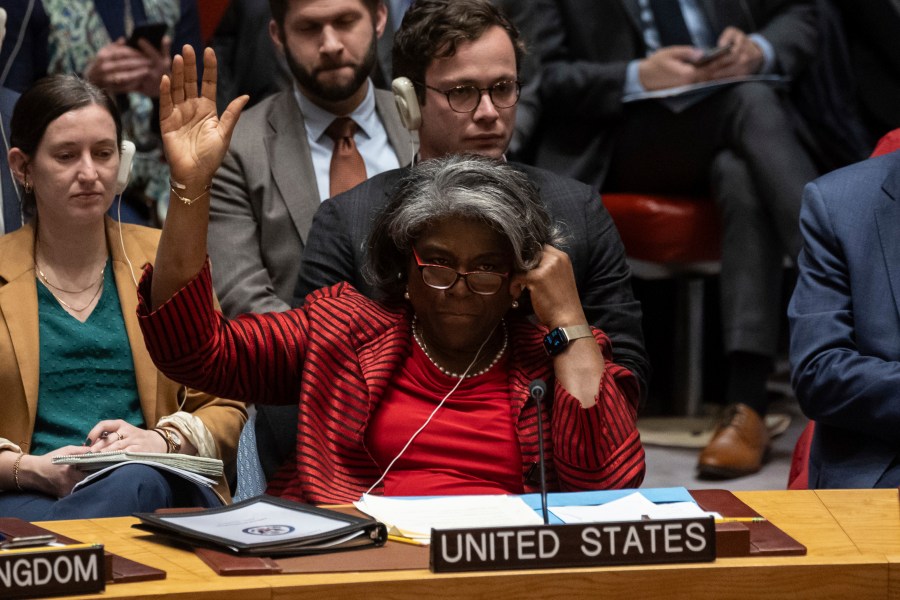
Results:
798 477
674 237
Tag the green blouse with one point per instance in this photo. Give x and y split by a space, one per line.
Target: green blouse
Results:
87 370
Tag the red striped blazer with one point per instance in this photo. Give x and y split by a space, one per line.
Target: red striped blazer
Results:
335 357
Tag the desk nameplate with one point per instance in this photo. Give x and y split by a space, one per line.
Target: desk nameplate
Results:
52 571
580 545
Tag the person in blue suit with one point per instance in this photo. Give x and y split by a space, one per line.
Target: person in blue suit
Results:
845 324
11 215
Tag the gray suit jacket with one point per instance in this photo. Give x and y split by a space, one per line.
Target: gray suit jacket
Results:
845 323
264 197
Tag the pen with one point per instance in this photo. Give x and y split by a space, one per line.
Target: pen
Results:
406 540
741 520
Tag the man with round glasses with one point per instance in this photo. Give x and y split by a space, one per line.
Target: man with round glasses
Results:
444 47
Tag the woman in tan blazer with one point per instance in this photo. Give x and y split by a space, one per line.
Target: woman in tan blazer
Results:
75 375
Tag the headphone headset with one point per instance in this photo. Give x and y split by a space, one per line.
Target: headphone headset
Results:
126 156
407 103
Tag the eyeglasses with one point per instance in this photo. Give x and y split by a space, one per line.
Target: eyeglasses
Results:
465 98
439 277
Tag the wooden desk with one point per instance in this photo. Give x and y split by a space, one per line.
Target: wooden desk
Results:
853 541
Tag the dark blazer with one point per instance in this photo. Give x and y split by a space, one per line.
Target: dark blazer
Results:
845 322
335 252
12 214
588 49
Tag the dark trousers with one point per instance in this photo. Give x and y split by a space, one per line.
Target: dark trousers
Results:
122 492
739 145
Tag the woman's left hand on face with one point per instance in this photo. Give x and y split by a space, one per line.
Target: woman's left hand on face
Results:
194 136
554 295
111 435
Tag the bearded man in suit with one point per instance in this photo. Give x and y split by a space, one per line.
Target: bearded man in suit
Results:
264 195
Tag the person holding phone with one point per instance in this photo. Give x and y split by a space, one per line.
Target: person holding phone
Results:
737 143
74 371
123 48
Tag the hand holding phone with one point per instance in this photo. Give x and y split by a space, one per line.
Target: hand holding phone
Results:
712 54
152 32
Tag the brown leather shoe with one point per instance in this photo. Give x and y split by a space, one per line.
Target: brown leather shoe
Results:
738 447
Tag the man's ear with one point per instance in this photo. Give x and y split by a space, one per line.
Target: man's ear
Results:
381 16
18 164
276 35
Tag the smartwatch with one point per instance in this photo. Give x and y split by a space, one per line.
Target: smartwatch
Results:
558 339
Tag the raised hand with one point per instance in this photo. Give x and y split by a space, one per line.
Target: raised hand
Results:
195 138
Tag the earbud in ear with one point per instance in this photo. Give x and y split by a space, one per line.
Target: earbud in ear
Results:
126 156
407 103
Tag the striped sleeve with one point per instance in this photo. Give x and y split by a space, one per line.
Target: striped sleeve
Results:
254 358
599 447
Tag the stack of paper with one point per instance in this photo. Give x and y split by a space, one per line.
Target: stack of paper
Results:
211 467
414 518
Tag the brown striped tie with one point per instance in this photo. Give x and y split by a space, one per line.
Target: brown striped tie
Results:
347 167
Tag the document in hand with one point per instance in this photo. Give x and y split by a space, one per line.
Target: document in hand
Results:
267 526
94 461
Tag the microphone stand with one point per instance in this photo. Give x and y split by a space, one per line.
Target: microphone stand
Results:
537 389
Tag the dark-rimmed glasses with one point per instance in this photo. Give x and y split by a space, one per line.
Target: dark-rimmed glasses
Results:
465 98
439 277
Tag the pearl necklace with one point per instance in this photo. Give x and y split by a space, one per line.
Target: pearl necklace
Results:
448 372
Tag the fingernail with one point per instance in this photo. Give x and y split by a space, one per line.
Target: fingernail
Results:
87 442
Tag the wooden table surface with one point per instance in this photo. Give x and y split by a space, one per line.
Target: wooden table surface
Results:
852 538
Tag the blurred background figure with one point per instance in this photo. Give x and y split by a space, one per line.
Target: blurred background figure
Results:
247 59
123 48
10 205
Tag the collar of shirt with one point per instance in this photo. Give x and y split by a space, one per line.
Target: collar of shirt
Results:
318 119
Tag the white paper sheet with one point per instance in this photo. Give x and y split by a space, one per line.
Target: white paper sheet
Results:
416 517
633 507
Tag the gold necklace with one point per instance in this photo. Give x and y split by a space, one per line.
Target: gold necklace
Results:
56 287
83 308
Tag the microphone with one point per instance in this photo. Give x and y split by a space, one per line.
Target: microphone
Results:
538 389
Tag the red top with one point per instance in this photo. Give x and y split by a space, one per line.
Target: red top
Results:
469 447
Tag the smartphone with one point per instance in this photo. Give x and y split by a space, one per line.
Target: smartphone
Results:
152 32
712 54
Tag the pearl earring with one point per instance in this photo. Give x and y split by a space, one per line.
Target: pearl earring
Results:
515 304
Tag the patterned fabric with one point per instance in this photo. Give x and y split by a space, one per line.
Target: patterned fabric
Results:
336 356
77 33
